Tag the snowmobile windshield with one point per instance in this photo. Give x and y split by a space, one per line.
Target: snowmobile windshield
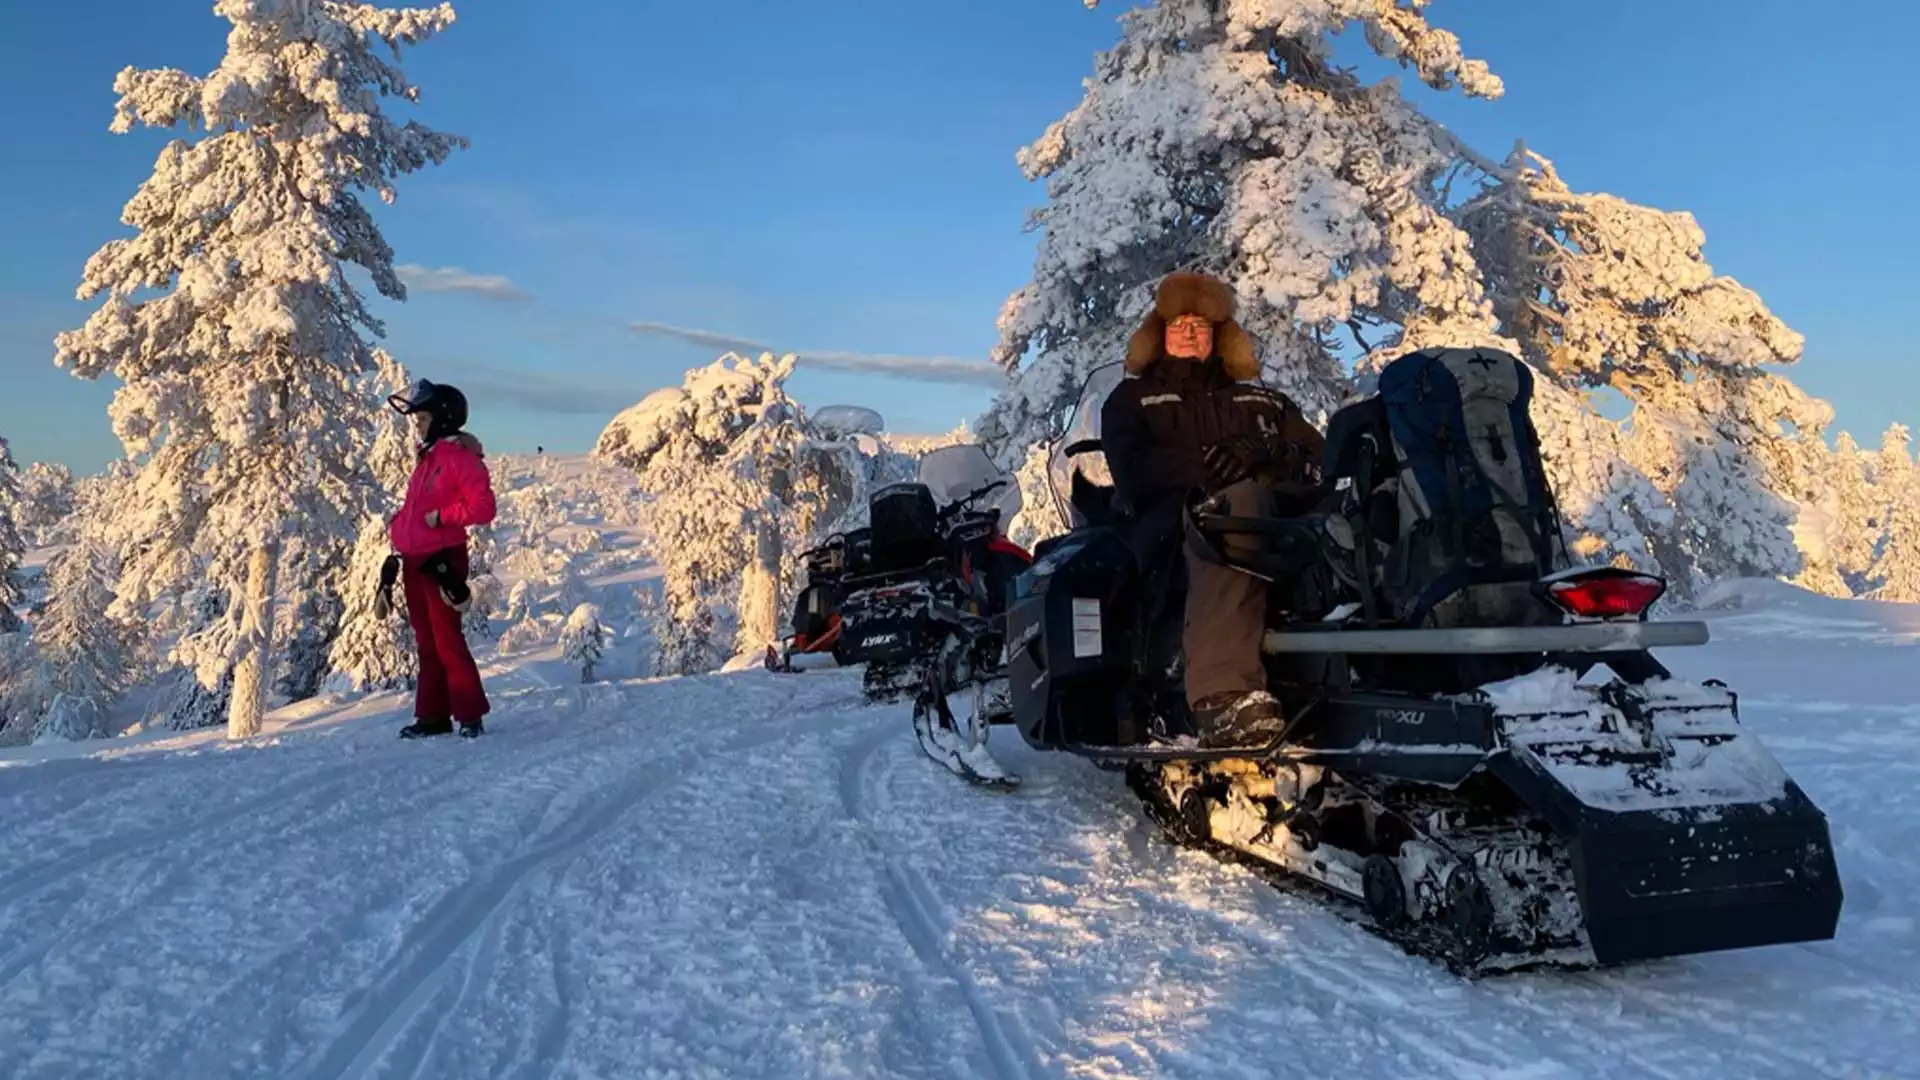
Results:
952 473
1081 429
847 421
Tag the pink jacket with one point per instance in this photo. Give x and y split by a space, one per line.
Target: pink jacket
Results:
451 478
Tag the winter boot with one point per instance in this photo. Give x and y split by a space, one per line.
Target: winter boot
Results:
1235 721
472 729
427 727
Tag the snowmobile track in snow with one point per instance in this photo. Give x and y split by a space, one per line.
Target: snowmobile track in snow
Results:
921 917
50 872
470 921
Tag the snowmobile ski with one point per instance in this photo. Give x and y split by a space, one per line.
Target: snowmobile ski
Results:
957 738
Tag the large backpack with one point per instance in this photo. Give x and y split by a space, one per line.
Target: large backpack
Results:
1477 524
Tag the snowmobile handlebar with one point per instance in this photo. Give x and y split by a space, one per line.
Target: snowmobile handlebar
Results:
967 502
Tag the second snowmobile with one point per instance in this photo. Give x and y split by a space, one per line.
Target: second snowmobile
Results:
918 597
1483 760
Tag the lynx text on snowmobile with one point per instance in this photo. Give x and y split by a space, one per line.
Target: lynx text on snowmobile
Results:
1456 773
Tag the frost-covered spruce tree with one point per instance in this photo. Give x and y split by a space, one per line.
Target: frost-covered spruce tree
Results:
373 651
12 546
718 456
1896 569
243 393
1601 292
477 621
338 622
1222 138
20 703
86 656
1856 517
522 602
46 503
583 640
391 455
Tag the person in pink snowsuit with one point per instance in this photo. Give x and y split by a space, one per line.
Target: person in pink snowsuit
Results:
450 491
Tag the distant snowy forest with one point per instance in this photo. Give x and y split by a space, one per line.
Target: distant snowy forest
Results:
228 561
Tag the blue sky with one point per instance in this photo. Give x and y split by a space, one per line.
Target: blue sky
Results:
839 176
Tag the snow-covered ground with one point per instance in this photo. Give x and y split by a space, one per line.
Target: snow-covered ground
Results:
752 875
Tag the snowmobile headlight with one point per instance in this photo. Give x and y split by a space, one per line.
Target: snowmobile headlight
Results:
1606 592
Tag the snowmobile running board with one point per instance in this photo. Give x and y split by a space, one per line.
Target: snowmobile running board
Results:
1598 637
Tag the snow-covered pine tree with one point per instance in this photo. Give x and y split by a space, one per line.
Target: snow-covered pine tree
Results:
371 652
718 455
85 655
1600 292
339 606
19 702
12 546
46 503
477 621
305 641
526 635
1222 138
1896 569
1857 520
1613 513
243 393
523 602
583 640
391 455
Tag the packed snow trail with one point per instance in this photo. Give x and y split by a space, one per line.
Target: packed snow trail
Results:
757 875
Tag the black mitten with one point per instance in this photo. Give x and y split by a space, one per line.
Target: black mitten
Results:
453 586
1238 458
383 599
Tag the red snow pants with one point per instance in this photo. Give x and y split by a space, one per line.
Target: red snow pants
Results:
449 683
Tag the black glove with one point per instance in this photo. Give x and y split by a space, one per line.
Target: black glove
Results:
383 600
453 586
1242 457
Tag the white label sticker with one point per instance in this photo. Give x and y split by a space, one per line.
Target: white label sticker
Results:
1086 628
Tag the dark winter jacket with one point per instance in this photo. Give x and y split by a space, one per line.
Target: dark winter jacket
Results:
1156 428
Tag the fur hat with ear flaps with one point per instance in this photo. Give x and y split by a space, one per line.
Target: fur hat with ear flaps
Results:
1194 294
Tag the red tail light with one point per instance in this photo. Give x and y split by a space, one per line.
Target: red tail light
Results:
1604 593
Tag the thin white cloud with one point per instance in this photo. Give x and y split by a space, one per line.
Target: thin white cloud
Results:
491 386
942 369
452 279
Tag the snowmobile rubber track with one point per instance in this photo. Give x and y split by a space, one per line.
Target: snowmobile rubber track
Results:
1432 940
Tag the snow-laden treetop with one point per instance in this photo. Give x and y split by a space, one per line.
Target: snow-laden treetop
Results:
711 407
1220 137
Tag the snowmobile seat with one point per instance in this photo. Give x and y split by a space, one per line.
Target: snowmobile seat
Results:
904 524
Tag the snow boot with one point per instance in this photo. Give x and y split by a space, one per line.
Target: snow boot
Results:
1234 721
472 729
426 728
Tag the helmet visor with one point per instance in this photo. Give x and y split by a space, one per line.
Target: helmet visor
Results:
413 398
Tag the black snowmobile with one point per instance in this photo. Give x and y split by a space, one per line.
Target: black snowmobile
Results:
1456 770
918 597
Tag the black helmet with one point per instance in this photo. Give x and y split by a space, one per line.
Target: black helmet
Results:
446 405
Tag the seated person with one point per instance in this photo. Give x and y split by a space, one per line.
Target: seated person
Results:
1193 420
